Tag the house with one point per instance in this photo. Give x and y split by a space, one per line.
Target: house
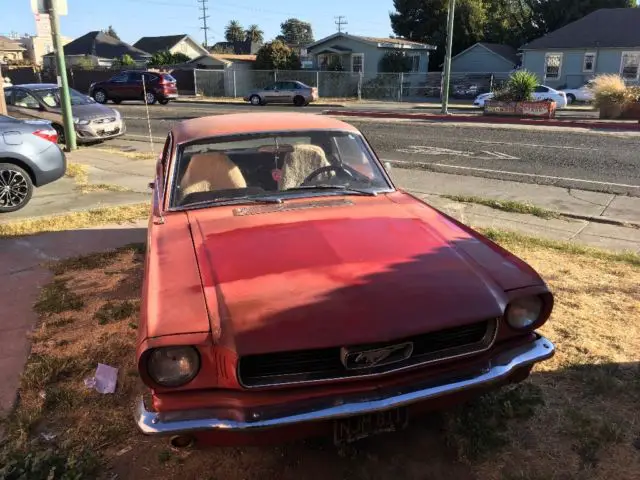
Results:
245 47
485 57
38 46
605 41
232 76
363 54
98 48
221 61
173 43
10 50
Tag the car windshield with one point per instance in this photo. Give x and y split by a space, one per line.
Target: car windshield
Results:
51 97
274 167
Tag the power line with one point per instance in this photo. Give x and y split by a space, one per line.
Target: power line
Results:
340 22
203 9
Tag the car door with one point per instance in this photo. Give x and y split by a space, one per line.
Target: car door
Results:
270 93
287 92
23 104
117 86
541 92
134 88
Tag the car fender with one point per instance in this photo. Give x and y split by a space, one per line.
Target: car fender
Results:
23 162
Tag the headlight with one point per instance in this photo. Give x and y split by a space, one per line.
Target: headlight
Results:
524 312
173 366
79 121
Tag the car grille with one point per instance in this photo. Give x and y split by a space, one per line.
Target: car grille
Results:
327 363
99 121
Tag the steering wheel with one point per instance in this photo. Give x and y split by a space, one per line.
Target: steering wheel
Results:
329 168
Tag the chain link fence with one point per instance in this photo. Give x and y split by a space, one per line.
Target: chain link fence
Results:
366 86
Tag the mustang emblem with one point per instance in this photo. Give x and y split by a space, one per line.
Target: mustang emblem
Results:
354 359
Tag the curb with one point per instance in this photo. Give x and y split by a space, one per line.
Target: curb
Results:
247 104
485 119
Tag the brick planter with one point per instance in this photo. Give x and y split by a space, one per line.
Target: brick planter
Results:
544 109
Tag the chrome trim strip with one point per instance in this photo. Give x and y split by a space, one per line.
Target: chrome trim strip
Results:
496 370
453 353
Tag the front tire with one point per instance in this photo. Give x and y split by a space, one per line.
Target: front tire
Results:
16 188
571 98
150 98
100 96
255 100
299 101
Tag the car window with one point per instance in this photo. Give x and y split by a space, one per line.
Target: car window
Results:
290 85
121 77
51 97
274 164
270 87
24 99
134 77
281 85
168 78
149 77
541 89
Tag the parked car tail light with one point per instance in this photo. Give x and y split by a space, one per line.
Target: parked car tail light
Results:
173 366
50 135
525 312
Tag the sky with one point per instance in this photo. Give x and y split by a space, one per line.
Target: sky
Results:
133 19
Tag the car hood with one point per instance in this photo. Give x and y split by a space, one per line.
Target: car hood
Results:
369 271
90 111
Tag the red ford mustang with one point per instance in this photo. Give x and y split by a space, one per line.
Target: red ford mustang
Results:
291 290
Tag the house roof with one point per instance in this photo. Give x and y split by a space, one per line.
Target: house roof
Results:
158 44
505 51
8 45
101 45
607 27
379 42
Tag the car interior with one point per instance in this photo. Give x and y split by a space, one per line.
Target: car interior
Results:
212 172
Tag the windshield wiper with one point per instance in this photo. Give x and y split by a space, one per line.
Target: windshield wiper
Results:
343 188
233 201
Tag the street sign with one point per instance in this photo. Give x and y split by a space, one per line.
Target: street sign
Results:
40 6
43 25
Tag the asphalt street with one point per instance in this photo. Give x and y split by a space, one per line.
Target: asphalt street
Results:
606 162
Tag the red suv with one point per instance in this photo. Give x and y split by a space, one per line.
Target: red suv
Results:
159 87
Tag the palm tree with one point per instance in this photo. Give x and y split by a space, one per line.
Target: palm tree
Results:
234 32
254 34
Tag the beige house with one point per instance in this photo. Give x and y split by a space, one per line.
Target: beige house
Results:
39 46
10 50
173 43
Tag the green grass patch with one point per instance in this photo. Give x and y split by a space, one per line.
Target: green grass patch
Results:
479 428
115 311
57 298
510 239
48 464
42 370
510 206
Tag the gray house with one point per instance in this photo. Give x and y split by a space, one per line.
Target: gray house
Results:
605 41
363 54
486 58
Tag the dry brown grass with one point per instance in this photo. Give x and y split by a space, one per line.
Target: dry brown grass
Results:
78 172
75 220
101 187
576 417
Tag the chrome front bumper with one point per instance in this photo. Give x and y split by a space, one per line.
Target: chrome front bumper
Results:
498 369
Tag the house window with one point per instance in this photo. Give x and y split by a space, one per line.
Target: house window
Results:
357 62
415 63
630 65
589 63
552 66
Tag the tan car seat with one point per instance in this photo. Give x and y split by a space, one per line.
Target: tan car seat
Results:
208 172
300 163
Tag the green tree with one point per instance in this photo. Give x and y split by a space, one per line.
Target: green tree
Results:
111 32
395 61
296 32
124 61
165 57
254 34
276 56
234 32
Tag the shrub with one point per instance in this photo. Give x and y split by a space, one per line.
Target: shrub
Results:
519 87
609 88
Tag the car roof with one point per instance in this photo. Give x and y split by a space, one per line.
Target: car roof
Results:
247 123
36 86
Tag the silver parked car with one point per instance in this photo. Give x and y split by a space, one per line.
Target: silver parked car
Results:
296 93
93 122
29 156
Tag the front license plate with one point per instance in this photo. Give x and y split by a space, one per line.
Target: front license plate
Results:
348 430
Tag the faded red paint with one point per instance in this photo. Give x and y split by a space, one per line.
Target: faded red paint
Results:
376 269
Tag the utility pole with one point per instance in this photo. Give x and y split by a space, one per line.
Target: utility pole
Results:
340 22
203 9
447 58
65 99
